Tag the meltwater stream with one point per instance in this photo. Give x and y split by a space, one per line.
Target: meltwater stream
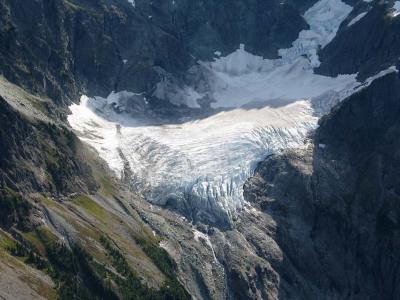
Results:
202 165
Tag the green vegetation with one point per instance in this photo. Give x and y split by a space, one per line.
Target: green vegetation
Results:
91 206
18 256
79 276
28 256
59 170
158 255
77 279
14 209
41 238
71 139
75 272
107 188
164 262
63 162
23 252
70 269
131 286
5 241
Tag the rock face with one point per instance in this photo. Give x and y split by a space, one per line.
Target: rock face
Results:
39 156
60 209
207 160
208 26
336 206
322 222
367 46
318 223
61 48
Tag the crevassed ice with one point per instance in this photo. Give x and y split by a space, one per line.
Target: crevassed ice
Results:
203 164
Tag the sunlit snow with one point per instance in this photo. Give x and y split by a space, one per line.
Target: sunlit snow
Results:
203 164
396 8
357 18
242 78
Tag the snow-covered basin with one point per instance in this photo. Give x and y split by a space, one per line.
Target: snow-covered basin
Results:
204 163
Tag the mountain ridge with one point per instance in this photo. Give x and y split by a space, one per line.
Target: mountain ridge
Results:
318 221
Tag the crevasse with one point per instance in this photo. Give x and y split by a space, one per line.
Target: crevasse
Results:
200 166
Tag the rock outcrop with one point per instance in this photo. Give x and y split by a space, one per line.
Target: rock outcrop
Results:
67 228
365 47
318 223
63 48
40 156
335 207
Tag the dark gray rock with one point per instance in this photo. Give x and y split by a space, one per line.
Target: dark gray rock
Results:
336 205
367 47
324 222
62 48
40 157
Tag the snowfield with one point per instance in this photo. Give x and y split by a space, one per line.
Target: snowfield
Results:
242 78
204 162
200 166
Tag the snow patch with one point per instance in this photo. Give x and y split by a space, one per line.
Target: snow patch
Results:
324 18
203 164
242 78
132 2
357 18
396 9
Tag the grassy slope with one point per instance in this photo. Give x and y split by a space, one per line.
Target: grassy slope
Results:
64 234
16 276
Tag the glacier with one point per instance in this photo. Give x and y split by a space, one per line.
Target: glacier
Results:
262 106
201 164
